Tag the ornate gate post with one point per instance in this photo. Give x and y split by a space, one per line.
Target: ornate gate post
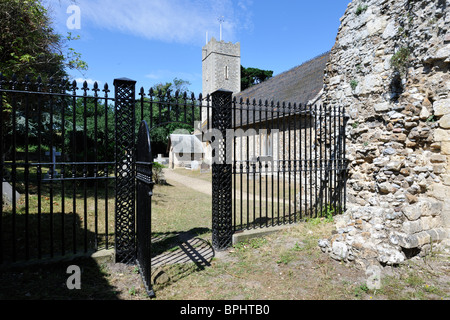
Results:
125 242
222 222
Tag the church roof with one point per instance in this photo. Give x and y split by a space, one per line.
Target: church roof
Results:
298 85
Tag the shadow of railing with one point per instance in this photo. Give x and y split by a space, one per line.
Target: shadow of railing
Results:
45 274
177 255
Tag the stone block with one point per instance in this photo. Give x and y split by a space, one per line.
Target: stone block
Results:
385 188
412 212
421 238
435 146
371 83
103 256
444 122
445 215
339 250
422 224
411 227
429 223
389 255
424 114
411 198
399 137
382 107
441 135
415 240
390 31
256 233
438 234
439 168
438 158
443 53
441 107
335 80
446 179
376 24
440 192
445 148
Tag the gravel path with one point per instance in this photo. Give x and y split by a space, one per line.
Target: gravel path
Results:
204 186
193 183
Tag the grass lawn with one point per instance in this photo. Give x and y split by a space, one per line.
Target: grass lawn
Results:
286 265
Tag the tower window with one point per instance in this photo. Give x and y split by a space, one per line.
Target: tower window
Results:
226 73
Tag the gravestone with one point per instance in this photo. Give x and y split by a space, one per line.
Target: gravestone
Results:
205 168
161 160
7 194
194 165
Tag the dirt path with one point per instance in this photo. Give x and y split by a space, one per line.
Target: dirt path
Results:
193 183
204 186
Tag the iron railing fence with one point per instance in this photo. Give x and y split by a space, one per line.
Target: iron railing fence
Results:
61 165
288 163
56 166
288 160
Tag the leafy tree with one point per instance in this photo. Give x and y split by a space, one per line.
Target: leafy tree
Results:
29 44
94 125
253 76
171 109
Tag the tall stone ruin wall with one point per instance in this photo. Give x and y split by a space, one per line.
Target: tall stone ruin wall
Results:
390 69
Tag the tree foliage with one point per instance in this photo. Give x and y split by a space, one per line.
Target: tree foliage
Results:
169 112
253 76
83 127
30 45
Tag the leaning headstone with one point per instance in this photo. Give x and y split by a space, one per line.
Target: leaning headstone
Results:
7 194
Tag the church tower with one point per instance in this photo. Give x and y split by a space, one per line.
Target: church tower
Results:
221 64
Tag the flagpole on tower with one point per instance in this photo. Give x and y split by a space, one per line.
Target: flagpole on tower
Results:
221 21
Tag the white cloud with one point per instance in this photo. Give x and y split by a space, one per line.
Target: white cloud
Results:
180 21
90 82
167 75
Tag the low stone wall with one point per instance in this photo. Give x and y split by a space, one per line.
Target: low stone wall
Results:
390 69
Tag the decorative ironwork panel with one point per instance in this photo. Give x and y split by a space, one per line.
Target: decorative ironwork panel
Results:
222 223
125 170
144 191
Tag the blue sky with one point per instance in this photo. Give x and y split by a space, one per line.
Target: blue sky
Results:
155 41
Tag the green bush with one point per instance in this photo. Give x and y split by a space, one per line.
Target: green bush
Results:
400 59
361 9
157 172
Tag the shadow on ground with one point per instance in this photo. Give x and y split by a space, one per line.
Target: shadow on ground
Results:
49 282
177 255
37 252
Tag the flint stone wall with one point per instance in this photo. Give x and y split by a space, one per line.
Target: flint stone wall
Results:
398 136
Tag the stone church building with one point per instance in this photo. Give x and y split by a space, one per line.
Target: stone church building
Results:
301 85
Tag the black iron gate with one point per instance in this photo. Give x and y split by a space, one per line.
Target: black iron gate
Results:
67 154
144 192
272 163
